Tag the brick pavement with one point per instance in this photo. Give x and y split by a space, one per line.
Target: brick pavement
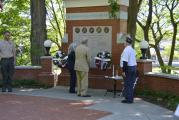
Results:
97 107
18 107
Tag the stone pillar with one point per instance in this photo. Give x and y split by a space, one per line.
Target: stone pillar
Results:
46 75
144 66
46 63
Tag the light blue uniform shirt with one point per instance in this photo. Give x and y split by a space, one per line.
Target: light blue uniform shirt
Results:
129 56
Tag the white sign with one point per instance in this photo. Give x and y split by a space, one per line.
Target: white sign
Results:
121 37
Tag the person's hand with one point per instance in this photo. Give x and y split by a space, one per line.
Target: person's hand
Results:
123 74
14 61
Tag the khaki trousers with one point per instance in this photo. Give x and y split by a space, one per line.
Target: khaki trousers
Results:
82 82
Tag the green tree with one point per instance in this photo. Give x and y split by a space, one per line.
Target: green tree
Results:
15 18
159 26
145 25
56 21
114 8
172 5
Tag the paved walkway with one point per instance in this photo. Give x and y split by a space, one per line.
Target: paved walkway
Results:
139 110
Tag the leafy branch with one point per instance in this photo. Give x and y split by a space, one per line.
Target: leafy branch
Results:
114 8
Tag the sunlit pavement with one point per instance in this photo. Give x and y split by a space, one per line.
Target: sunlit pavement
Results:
139 110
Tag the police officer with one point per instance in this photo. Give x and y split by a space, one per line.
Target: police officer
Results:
128 65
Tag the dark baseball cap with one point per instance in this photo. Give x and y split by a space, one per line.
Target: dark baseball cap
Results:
129 39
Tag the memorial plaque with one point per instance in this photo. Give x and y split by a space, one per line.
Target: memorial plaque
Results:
121 37
99 38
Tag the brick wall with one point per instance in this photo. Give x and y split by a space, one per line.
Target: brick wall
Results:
160 83
43 73
156 81
147 79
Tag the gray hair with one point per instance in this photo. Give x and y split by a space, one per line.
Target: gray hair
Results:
72 47
84 41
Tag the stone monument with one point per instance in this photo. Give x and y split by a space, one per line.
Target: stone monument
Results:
90 19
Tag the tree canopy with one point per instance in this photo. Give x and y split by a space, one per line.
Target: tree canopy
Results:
152 20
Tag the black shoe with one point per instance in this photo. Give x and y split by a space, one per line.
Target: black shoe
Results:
10 90
3 91
125 101
72 92
78 95
86 96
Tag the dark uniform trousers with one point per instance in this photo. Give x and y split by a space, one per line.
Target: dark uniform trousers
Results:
7 69
129 83
72 80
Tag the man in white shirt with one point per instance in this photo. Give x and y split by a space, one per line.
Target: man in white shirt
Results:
128 65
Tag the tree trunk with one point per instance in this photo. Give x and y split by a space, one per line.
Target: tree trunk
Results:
175 26
133 10
160 60
146 27
38 30
173 46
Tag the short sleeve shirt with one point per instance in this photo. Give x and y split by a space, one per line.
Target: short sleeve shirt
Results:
7 49
129 56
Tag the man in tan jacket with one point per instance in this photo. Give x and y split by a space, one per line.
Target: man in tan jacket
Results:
82 64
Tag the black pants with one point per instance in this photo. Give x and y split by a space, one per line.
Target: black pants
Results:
72 80
7 70
129 83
